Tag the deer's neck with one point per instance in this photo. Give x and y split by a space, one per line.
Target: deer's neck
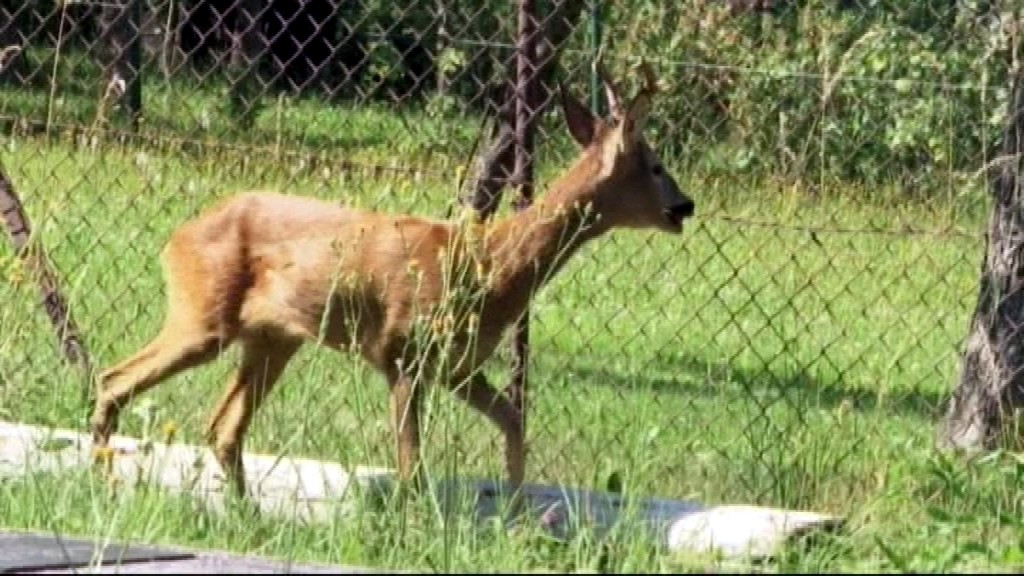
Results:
527 249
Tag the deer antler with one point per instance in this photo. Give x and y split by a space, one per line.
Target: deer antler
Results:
650 78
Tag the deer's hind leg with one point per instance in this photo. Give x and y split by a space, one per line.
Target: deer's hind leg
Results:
179 346
495 405
264 358
201 321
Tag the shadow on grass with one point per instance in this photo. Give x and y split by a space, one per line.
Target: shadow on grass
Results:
696 376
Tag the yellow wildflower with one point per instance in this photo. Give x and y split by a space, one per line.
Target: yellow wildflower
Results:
170 430
104 455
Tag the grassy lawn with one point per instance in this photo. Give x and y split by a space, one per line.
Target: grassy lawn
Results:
776 365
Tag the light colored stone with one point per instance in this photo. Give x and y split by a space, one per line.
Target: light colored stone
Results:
301 488
738 531
311 490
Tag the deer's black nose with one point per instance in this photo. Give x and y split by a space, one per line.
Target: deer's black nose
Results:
682 210
676 213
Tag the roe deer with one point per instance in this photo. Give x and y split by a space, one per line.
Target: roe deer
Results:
273 271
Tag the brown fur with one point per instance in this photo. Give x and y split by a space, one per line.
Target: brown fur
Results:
273 271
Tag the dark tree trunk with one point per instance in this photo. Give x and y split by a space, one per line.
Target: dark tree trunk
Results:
991 385
496 165
120 29
248 38
248 44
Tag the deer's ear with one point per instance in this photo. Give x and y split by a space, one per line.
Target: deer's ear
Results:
577 116
636 116
640 107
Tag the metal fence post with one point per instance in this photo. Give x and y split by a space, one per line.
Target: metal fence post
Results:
133 97
526 71
594 38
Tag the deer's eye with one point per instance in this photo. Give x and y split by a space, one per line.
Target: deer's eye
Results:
657 170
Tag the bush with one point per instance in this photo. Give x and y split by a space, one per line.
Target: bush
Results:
873 92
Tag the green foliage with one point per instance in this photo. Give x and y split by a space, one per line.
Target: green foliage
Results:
869 91
877 91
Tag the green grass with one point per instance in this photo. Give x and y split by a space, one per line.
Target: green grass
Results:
737 363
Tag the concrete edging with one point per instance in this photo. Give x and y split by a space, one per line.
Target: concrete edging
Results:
310 490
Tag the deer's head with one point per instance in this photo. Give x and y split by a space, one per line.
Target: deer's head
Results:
633 189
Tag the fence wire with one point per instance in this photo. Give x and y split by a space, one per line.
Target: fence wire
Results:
808 320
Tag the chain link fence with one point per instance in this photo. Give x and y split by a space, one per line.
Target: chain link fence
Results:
805 327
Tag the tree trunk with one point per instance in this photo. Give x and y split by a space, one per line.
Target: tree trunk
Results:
496 166
248 45
120 30
991 385
34 261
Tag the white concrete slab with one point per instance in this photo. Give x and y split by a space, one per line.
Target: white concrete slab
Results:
311 490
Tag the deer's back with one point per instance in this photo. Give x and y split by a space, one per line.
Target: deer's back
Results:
310 267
